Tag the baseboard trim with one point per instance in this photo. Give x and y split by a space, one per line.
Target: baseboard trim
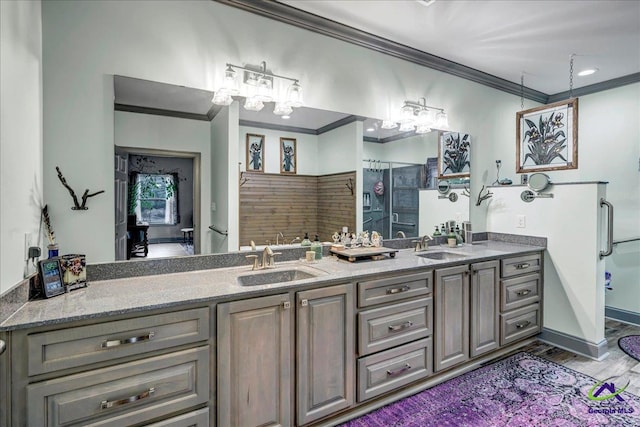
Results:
622 315
597 351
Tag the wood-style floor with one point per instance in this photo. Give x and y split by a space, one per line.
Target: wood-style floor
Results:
618 364
163 250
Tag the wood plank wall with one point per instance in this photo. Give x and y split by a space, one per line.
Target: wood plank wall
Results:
293 205
336 204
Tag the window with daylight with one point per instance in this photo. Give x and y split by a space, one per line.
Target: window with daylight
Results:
157 196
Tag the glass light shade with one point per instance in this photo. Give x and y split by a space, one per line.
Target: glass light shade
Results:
406 115
294 95
253 104
265 89
222 97
282 109
389 124
406 127
426 118
230 81
423 129
442 121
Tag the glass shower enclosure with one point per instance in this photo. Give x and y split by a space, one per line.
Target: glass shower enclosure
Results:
390 197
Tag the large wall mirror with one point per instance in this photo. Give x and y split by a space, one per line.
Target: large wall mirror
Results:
163 134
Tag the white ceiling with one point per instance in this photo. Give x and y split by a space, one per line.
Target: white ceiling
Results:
505 38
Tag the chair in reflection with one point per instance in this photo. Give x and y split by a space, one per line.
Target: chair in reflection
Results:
137 240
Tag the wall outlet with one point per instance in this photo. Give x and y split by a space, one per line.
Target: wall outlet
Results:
521 221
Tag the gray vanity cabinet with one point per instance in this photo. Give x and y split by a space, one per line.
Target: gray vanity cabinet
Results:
254 362
467 312
451 295
484 310
255 370
324 352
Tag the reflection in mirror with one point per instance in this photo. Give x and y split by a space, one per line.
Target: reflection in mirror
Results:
538 181
402 195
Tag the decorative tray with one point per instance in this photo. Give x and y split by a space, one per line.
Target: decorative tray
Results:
355 254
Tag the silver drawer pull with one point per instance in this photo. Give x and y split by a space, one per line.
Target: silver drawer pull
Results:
398 290
405 325
106 404
522 266
405 368
132 340
523 325
523 293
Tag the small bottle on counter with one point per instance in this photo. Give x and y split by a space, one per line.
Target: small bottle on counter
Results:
437 233
316 246
306 241
443 231
452 241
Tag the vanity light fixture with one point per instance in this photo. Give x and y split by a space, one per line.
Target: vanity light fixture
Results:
259 86
420 117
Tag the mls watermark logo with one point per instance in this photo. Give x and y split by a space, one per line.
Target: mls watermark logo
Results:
604 390
608 398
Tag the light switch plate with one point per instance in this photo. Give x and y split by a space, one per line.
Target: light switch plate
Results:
521 221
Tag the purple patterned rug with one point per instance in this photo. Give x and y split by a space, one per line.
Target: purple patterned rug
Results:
630 345
521 390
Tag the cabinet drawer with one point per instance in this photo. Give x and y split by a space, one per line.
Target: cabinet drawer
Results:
386 327
519 291
394 368
519 323
199 418
84 345
127 394
520 265
393 289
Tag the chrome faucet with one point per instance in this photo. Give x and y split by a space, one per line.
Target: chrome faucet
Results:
423 243
278 238
297 239
401 234
268 257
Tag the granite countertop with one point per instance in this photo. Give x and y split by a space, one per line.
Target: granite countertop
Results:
139 294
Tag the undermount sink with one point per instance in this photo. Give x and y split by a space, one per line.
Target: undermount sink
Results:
273 276
444 256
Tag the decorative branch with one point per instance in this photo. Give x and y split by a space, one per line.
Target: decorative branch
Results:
481 197
77 206
51 236
350 185
466 192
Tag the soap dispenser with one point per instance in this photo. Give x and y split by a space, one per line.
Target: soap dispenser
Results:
316 246
306 241
436 233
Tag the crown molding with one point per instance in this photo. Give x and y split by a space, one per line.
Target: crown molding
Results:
596 87
161 112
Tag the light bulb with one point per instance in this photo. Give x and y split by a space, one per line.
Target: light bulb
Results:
253 104
282 109
406 127
442 121
406 114
423 129
230 81
222 97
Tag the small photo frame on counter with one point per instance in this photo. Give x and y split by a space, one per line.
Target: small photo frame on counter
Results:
74 272
288 154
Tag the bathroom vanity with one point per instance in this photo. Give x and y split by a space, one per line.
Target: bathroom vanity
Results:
300 344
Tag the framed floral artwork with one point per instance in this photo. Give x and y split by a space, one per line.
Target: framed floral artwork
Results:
547 137
288 161
454 150
255 152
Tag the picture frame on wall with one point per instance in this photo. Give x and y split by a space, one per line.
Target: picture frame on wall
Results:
288 155
547 137
255 152
454 155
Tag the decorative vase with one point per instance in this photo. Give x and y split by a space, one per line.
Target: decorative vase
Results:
53 250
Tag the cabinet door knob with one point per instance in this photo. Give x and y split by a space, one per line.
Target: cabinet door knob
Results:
304 302
286 305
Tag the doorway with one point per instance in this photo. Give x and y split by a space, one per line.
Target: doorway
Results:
158 193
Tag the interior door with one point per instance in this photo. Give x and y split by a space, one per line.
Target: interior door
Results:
120 191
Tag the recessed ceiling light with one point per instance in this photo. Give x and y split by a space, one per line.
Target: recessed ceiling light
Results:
426 2
587 72
285 117
371 129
